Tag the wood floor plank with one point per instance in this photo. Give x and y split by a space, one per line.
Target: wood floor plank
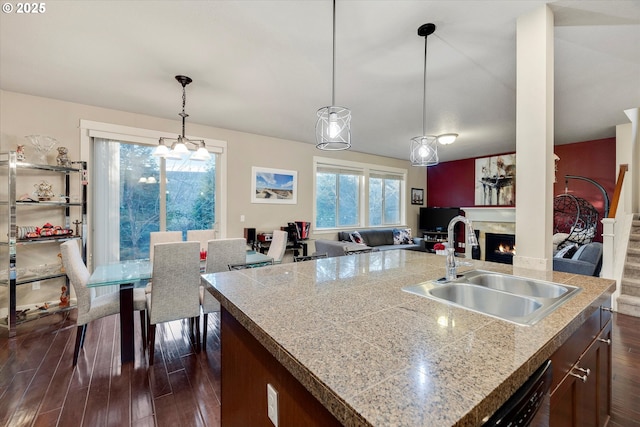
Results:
167 414
185 399
47 419
12 398
98 405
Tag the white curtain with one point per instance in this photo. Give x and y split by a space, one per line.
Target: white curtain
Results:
106 204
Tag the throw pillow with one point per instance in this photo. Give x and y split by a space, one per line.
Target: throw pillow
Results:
564 252
356 237
402 236
559 238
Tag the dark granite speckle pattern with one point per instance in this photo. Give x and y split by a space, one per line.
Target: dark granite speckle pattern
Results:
375 355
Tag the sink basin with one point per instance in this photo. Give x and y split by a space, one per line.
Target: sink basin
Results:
512 298
485 300
515 285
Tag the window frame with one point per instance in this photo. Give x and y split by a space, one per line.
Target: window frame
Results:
367 170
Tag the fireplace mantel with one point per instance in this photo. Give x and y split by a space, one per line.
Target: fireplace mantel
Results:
491 214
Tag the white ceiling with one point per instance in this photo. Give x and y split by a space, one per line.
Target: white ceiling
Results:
264 66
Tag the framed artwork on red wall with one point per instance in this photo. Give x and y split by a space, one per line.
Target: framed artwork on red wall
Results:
495 180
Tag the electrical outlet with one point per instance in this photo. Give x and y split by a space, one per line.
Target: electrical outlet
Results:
35 286
272 404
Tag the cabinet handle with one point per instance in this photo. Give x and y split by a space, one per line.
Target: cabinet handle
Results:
583 378
584 371
609 309
608 340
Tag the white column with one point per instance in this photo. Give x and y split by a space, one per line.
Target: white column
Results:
609 246
534 140
634 117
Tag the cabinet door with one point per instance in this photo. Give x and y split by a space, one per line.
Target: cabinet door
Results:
563 411
587 391
604 375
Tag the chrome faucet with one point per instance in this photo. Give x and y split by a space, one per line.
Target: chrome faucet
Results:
452 268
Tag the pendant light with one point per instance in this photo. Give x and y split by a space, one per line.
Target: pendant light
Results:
333 127
179 146
424 148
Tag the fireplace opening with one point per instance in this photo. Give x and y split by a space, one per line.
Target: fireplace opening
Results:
499 247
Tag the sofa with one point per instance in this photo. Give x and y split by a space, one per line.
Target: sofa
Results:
378 238
586 259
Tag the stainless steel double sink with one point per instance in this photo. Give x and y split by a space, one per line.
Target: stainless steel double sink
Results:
516 299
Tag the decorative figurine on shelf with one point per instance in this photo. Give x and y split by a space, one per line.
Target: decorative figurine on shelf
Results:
44 191
77 224
62 159
20 153
64 297
62 270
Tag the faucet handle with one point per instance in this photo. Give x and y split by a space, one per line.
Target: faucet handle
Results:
471 235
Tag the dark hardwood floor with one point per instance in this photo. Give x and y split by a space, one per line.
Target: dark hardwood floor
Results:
39 387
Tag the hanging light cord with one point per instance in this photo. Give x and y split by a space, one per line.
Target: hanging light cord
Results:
184 101
333 70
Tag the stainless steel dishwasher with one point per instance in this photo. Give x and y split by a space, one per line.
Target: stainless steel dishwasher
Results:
529 405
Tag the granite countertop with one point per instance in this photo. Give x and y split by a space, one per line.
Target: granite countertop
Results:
375 355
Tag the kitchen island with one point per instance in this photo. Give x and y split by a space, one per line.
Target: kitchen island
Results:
342 331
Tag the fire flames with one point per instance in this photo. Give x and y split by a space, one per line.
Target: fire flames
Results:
506 249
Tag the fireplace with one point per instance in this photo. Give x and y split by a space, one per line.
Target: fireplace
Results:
499 247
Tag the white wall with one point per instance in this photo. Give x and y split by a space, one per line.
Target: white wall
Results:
22 115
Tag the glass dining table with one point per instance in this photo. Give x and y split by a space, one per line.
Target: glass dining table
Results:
128 275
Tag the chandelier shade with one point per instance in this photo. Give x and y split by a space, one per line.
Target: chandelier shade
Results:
179 146
333 127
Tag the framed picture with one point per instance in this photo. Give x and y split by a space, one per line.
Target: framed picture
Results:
495 181
417 196
276 186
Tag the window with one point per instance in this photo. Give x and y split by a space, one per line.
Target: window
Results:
351 194
136 180
337 197
132 193
384 199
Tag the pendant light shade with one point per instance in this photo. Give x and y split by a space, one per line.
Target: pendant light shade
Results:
333 127
424 148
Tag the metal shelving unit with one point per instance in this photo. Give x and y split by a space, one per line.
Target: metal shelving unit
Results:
14 245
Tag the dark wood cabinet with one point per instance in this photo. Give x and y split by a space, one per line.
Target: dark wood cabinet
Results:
581 394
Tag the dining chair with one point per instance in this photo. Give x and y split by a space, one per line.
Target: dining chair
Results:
156 237
175 292
278 246
220 253
91 307
309 257
202 236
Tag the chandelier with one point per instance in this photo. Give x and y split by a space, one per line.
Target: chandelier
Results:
179 147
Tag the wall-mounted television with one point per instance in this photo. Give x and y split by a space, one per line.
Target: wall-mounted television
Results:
436 219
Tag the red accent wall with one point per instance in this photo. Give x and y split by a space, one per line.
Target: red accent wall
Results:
452 183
